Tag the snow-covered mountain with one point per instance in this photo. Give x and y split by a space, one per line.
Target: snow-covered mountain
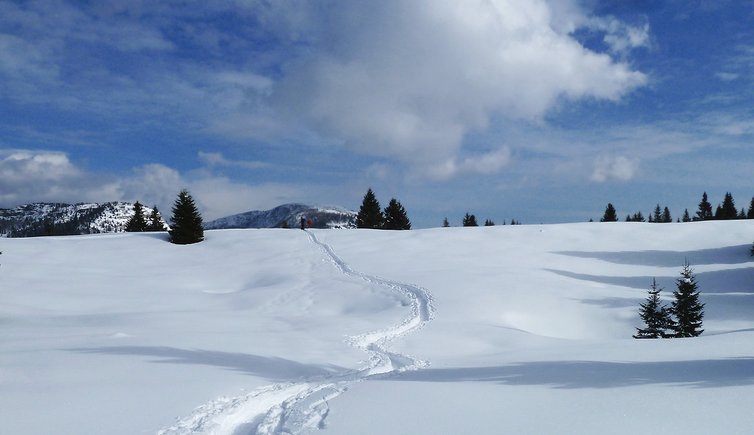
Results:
66 219
287 215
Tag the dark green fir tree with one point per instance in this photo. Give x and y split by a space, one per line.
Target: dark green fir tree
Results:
469 220
445 223
610 214
154 223
728 209
686 216
396 217
370 213
686 308
655 315
704 213
750 213
186 223
137 223
489 223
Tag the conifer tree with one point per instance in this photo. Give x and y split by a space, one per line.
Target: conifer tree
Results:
610 214
186 223
155 221
686 308
655 315
137 223
469 220
750 214
489 223
657 215
370 213
396 217
666 218
705 209
445 223
686 216
728 208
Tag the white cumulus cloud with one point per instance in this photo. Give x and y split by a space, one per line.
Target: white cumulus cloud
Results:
410 80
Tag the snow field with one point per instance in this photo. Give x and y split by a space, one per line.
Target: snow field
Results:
249 332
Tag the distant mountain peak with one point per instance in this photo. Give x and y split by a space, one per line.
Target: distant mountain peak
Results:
288 215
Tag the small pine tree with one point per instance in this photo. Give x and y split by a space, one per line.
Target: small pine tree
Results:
655 315
489 223
610 214
705 209
155 221
686 216
750 213
396 217
666 218
728 209
469 220
137 223
370 213
186 223
686 308
445 223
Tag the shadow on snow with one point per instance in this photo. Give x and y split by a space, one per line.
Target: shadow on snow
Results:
273 368
739 254
712 373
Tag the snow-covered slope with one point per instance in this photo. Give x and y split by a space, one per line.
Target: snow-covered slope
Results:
485 330
288 215
66 219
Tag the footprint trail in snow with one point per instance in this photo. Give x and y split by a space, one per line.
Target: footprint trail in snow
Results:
290 408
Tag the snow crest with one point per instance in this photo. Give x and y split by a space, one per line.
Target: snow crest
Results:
291 408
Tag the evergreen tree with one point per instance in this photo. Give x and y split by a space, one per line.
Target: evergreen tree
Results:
657 216
742 214
750 214
666 218
186 223
470 220
155 221
705 209
655 315
137 223
610 214
370 213
396 217
445 223
686 217
488 223
686 308
728 209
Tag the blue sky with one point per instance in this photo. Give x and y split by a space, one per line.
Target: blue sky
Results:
541 111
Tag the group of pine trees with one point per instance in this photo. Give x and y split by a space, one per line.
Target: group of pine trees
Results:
139 223
724 211
469 220
186 225
370 215
684 316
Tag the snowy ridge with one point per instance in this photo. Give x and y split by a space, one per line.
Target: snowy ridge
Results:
66 219
287 215
290 408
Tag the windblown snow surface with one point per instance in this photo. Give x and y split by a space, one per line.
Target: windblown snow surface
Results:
487 330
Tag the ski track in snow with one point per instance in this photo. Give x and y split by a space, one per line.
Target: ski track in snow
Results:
291 408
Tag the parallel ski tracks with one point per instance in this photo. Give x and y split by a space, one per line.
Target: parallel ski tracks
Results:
290 408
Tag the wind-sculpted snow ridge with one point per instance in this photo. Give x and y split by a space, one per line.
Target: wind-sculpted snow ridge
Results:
290 408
